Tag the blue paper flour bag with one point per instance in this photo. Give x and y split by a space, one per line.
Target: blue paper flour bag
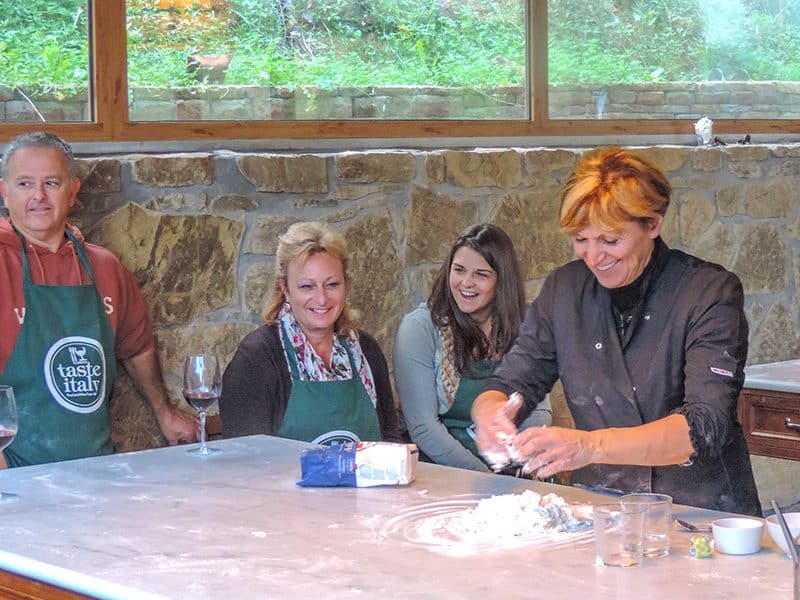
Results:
362 464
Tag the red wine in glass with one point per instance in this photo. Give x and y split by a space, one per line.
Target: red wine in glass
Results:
6 437
202 386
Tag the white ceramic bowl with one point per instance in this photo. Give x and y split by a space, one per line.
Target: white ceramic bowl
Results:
737 535
774 528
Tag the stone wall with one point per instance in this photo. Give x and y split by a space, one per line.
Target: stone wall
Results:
199 232
660 100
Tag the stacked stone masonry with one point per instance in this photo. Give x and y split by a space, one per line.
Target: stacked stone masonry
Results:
199 232
670 100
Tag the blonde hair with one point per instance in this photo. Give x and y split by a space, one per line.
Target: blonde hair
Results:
301 241
610 187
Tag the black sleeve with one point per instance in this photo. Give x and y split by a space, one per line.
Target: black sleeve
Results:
386 409
716 352
255 389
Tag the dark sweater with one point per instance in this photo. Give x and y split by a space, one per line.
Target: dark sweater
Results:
257 384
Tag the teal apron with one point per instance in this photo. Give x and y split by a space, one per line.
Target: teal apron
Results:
458 419
62 370
328 412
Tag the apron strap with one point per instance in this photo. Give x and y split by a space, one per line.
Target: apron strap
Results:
26 274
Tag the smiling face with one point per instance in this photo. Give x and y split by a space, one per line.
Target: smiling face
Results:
617 259
39 192
472 283
315 289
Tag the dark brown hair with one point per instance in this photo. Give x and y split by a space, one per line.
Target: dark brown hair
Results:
508 304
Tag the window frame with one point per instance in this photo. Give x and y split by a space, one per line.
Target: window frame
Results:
111 120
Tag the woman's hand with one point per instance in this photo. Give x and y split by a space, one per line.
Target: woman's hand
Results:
550 450
493 414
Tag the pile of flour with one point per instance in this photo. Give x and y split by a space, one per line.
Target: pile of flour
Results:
513 516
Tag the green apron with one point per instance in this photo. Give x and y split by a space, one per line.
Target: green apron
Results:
458 419
328 412
62 370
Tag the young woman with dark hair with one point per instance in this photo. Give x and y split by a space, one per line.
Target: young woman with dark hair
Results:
447 347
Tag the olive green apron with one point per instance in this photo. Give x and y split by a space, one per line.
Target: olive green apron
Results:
458 418
328 412
62 370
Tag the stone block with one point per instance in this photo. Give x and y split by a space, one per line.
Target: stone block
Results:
99 175
375 276
761 260
265 231
531 221
680 97
650 98
769 199
719 244
301 173
483 168
721 97
431 107
177 202
666 158
227 203
746 169
434 167
174 171
729 201
372 167
742 97
184 264
707 159
786 168
747 153
259 281
359 191
434 222
777 337
697 212
230 110
192 110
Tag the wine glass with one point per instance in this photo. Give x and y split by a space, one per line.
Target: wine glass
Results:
8 425
202 386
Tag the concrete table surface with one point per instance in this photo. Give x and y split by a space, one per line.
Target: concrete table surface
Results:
165 524
781 376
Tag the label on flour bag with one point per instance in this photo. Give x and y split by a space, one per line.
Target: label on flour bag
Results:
362 464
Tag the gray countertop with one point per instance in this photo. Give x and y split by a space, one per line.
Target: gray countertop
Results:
781 376
165 524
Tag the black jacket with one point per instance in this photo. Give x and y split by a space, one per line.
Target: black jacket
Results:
686 355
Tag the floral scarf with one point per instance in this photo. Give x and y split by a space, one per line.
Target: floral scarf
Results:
311 367
450 376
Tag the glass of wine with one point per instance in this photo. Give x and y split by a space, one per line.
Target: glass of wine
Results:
8 426
202 386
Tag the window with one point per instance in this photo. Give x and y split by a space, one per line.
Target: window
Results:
682 59
142 70
197 60
44 62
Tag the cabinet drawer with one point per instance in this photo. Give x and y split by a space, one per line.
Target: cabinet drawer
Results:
771 422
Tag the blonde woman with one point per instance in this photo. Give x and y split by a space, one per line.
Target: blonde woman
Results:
307 373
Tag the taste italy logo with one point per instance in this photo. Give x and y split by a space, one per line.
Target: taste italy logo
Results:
75 372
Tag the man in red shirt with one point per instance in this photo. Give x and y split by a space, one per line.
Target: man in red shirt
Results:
69 311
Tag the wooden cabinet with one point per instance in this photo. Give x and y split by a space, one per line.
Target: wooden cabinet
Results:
771 422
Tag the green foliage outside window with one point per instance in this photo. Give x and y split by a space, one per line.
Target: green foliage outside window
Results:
332 43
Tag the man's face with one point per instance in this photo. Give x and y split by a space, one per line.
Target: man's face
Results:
39 192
